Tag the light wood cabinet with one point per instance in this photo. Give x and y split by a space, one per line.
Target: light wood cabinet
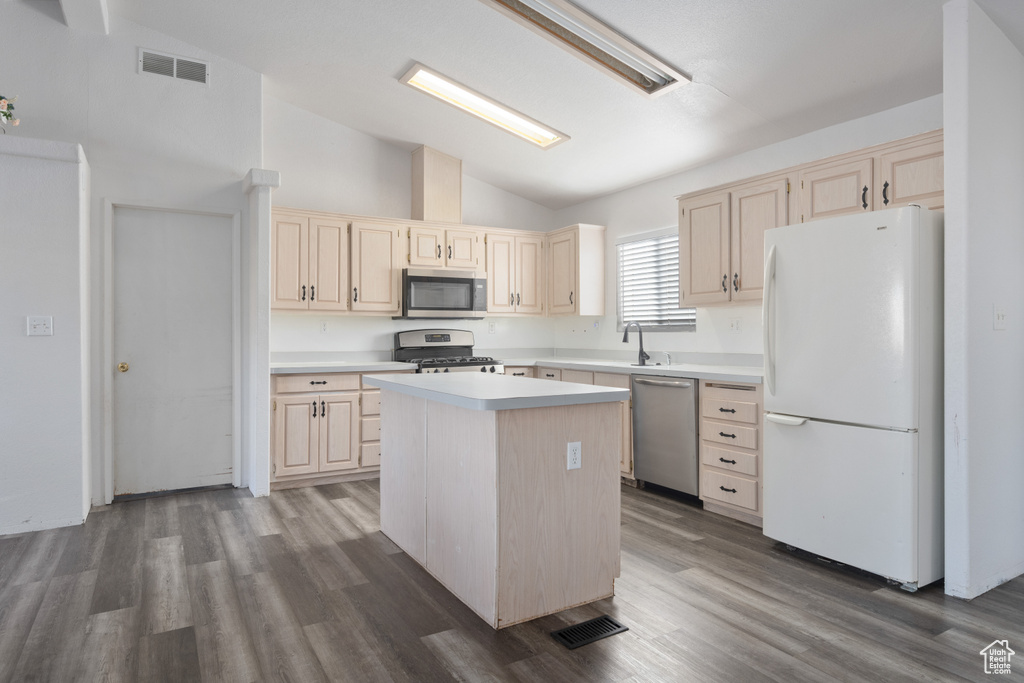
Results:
549 373
315 433
577 376
911 174
324 425
520 371
621 381
309 263
376 267
515 273
731 425
721 241
835 188
572 289
444 248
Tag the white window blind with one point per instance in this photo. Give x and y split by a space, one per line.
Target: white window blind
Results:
649 285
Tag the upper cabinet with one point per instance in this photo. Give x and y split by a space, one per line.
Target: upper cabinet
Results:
895 174
434 247
572 289
376 267
721 231
515 273
721 241
309 261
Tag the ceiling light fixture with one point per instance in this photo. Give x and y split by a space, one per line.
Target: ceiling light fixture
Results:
491 111
585 36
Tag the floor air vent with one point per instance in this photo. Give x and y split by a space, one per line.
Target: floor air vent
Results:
587 632
176 67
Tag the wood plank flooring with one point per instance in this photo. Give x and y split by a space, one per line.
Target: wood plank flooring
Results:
302 586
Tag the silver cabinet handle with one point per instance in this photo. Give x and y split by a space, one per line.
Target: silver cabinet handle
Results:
662 383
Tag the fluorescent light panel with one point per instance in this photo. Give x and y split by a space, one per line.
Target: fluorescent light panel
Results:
585 36
493 112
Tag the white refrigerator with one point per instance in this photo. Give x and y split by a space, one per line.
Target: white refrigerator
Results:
852 319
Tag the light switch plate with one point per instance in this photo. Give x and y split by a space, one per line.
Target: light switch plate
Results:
40 325
734 325
998 317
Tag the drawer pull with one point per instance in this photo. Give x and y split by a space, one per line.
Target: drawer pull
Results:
729 436
518 374
320 382
727 490
727 410
731 462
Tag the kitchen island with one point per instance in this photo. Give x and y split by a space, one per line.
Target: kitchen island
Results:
475 487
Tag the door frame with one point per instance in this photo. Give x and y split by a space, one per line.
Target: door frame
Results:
108 333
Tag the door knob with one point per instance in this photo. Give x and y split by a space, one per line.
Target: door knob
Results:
122 367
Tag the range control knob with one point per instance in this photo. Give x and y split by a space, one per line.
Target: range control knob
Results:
483 369
446 369
436 370
492 368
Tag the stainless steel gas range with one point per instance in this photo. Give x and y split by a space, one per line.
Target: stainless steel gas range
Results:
441 350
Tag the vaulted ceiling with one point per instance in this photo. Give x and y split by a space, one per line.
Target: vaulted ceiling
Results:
762 70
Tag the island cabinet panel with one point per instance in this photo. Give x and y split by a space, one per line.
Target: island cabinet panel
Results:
558 543
403 487
462 504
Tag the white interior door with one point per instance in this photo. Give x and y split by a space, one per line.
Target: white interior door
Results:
172 324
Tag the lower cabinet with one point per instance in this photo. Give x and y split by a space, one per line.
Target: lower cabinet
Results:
520 371
604 379
730 449
323 425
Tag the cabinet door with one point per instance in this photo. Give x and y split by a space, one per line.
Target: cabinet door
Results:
704 249
754 210
911 175
835 189
339 432
426 247
289 262
376 278
462 249
529 275
609 379
296 434
501 283
562 252
328 265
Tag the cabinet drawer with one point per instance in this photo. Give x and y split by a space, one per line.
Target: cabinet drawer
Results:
726 409
549 373
364 385
727 459
728 489
611 379
371 403
333 381
369 455
577 376
729 434
371 429
520 371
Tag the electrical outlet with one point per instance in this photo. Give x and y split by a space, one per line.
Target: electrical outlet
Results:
734 325
597 326
491 326
998 317
574 459
323 327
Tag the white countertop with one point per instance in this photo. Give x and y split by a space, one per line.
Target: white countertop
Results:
496 392
720 373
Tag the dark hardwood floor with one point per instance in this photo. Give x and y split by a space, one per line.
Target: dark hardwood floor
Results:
302 586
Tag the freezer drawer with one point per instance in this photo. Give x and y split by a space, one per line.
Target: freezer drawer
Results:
849 494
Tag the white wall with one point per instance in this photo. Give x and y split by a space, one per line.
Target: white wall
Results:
984 161
652 206
44 381
328 167
150 140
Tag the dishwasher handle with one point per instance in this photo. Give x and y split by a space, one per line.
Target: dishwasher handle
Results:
663 383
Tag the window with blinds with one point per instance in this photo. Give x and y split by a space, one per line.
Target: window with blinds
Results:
649 285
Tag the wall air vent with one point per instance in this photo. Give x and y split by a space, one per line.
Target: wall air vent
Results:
176 67
583 35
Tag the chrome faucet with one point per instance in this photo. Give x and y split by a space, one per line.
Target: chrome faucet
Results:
643 357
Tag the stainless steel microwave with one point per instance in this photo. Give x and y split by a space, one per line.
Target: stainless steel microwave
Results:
443 294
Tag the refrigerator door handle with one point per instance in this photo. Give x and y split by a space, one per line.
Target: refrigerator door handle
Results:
766 320
787 420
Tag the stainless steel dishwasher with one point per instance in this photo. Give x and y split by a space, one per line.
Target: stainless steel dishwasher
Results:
665 431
